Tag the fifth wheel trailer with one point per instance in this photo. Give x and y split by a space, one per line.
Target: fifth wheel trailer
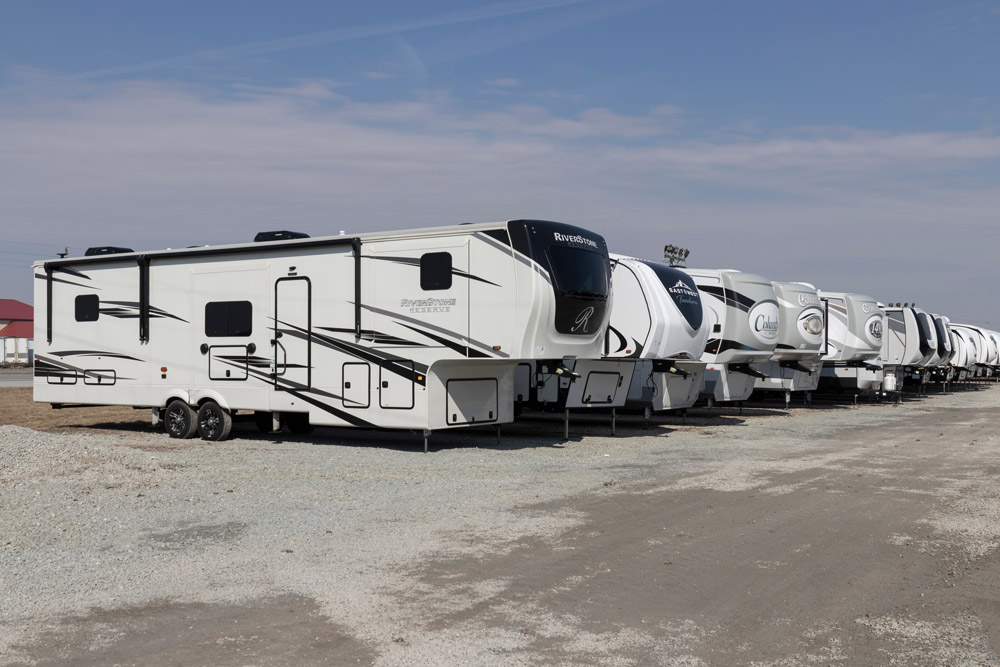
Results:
741 311
795 364
658 320
854 329
415 329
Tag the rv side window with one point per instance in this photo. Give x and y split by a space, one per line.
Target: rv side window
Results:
88 308
228 318
435 271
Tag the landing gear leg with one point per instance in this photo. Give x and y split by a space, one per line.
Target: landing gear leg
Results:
427 437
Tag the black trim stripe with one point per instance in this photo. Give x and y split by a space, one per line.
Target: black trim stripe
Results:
375 336
42 276
464 350
729 297
415 261
93 353
390 362
48 367
403 318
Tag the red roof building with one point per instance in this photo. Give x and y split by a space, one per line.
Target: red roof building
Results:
18 330
12 310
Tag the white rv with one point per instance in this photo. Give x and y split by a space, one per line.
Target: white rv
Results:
942 372
657 319
854 331
901 346
416 329
795 364
972 344
741 312
986 349
960 360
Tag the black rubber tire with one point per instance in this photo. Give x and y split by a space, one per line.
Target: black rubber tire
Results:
264 421
180 420
214 421
298 423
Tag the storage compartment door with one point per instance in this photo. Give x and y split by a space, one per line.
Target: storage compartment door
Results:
357 385
601 387
396 385
522 382
472 401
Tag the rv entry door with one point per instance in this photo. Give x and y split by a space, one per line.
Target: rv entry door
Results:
292 341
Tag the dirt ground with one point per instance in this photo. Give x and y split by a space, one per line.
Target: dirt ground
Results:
17 407
824 536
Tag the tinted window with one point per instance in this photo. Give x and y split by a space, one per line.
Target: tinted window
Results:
228 318
580 279
681 288
944 343
435 271
924 327
579 272
88 308
577 263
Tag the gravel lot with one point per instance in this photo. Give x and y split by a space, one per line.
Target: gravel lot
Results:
823 535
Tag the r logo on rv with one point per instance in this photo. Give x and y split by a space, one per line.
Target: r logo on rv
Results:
583 320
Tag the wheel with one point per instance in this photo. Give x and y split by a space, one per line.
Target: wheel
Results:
264 421
179 420
214 421
298 423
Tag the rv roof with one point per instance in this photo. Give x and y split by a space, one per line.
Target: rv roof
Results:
272 246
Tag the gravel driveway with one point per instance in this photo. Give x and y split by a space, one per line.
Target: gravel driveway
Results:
824 535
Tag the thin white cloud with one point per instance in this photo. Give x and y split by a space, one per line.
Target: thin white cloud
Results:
378 76
503 83
242 51
316 89
153 165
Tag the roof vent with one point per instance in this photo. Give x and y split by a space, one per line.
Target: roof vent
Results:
264 237
106 250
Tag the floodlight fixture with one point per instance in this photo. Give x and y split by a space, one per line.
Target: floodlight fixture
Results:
675 254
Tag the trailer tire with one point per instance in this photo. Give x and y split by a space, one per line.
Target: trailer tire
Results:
298 423
179 420
264 421
214 421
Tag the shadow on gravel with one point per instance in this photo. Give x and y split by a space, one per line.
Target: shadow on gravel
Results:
138 426
288 630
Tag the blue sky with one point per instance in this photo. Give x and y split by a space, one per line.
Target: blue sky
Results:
852 145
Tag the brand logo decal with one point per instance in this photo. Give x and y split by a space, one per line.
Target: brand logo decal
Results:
875 328
869 307
582 240
682 288
583 320
428 305
763 321
808 300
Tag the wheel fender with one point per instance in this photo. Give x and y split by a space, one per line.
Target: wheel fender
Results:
176 393
199 397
